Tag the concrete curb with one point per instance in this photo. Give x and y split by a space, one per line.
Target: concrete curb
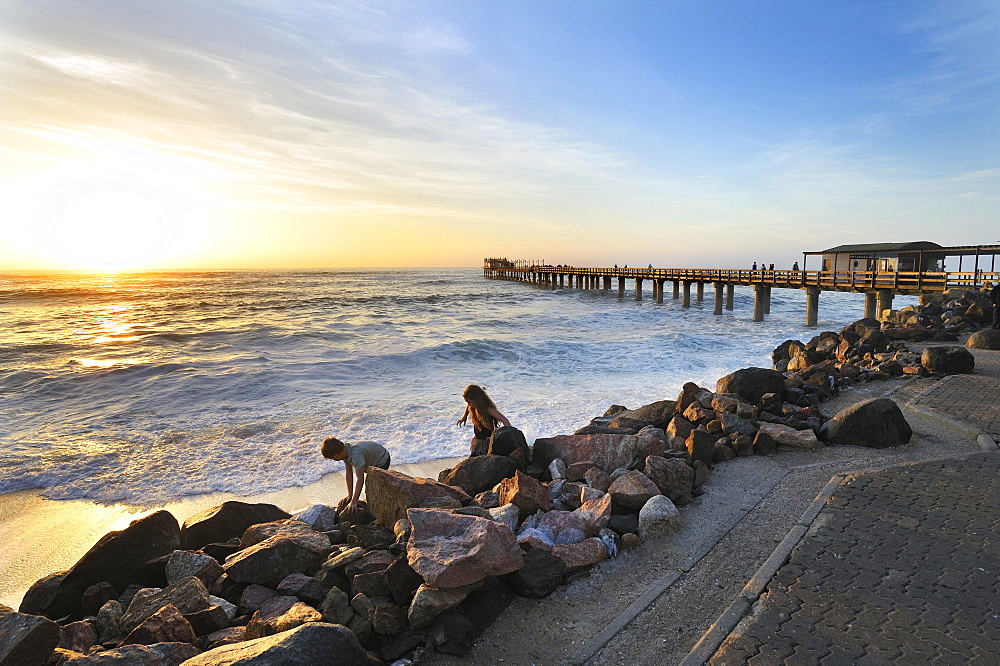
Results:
724 625
592 646
984 440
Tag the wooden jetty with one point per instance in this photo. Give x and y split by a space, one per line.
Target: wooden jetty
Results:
880 280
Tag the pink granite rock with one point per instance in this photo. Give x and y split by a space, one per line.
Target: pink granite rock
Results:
577 470
270 561
597 512
450 550
524 492
166 625
788 436
286 527
391 493
280 614
632 490
583 554
609 452
567 527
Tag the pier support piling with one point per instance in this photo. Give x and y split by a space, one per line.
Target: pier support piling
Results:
658 290
759 295
729 296
638 289
621 287
718 298
607 283
871 300
767 300
701 291
812 305
677 289
686 301
885 297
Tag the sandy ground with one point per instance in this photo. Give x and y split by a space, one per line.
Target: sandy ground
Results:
748 507
39 536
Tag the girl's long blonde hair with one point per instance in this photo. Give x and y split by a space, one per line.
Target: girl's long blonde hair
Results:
479 406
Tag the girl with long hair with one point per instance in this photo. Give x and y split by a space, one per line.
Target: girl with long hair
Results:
485 417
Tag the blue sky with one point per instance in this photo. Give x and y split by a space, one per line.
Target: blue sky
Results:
270 133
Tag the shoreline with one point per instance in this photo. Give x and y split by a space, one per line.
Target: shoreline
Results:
39 536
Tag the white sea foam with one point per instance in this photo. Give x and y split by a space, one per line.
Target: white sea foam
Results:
146 388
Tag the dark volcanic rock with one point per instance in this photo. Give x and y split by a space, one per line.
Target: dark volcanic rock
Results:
948 360
656 413
40 593
509 441
624 523
225 521
453 633
96 596
306 645
118 558
481 473
876 423
752 383
541 574
987 338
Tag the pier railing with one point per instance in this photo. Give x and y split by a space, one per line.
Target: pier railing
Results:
879 287
859 281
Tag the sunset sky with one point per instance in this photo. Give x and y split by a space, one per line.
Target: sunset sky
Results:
268 133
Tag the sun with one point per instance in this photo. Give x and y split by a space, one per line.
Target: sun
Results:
110 230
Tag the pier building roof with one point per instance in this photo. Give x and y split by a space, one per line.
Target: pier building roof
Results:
881 247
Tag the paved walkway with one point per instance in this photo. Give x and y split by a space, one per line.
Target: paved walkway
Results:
900 566
971 400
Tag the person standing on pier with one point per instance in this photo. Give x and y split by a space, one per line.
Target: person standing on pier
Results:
754 267
995 298
795 266
485 417
357 457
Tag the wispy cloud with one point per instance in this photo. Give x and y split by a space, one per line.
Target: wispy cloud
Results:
302 108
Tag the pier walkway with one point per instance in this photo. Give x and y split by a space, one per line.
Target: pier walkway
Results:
897 566
879 287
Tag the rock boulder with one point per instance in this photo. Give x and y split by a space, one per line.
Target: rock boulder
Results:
449 550
876 423
226 521
26 640
524 492
118 558
657 517
267 563
609 452
391 493
481 473
948 360
307 644
752 383
987 338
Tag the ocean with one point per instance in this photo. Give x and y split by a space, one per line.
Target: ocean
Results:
144 388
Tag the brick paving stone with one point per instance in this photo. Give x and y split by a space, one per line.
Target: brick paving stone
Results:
969 399
903 568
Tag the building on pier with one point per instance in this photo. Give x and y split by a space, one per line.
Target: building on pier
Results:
917 256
